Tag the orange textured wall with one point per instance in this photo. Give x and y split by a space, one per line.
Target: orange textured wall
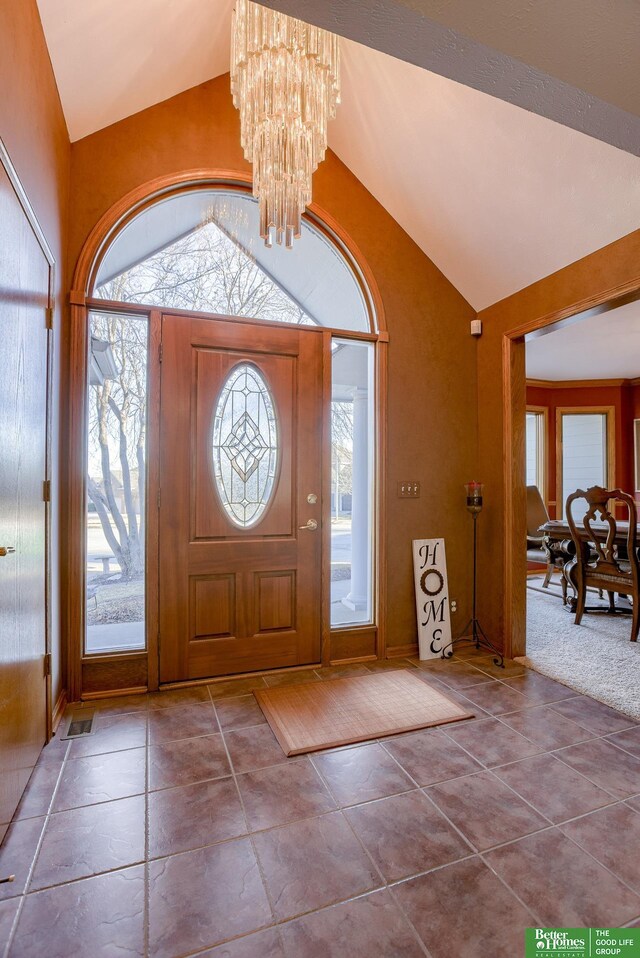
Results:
34 133
578 286
593 395
432 357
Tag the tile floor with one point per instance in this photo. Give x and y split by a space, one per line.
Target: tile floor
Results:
180 828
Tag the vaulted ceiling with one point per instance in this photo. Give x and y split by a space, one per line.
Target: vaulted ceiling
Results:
496 195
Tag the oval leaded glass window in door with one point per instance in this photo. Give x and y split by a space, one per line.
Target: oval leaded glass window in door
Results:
245 445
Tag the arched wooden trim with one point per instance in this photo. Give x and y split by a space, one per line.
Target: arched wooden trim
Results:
130 205
94 248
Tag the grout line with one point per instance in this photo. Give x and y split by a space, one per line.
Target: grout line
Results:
246 821
25 891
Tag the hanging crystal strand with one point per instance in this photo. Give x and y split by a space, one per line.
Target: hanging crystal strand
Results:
285 82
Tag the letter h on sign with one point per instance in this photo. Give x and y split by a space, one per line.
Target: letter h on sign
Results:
432 596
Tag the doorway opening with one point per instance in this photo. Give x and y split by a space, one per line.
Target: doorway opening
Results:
582 396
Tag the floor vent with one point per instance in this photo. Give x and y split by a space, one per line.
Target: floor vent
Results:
80 726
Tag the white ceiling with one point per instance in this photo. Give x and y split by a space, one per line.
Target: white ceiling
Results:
496 196
598 347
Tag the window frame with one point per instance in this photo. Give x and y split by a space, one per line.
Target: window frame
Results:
609 412
542 442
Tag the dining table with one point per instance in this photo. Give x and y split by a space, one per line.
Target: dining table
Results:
557 541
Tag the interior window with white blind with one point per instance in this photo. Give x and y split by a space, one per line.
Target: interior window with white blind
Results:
584 455
535 443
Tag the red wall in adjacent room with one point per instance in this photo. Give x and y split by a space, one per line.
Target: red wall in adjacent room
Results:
624 397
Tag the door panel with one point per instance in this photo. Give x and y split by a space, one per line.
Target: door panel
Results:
24 297
234 598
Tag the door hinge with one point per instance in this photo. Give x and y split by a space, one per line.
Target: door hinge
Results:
160 348
47 664
48 322
46 490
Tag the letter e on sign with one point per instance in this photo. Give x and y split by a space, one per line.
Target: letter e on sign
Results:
432 596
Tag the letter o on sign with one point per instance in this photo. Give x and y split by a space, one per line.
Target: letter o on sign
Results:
423 581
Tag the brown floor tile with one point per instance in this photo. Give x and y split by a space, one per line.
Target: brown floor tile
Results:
283 793
506 671
203 897
457 907
253 748
115 705
609 767
172 698
556 791
101 778
342 671
454 674
16 855
373 927
629 740
612 835
37 796
85 841
113 733
546 728
477 713
101 917
491 742
291 678
389 665
357 775
180 722
539 688
191 816
429 756
406 835
232 688
241 712
263 944
429 677
497 698
314 863
595 716
485 809
562 885
8 911
188 761
54 751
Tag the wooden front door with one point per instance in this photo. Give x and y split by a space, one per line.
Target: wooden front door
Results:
24 299
241 424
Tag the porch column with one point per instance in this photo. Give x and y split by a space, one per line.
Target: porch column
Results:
356 600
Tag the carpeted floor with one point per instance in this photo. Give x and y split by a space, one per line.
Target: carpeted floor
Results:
595 657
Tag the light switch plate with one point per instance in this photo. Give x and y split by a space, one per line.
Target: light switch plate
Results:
408 489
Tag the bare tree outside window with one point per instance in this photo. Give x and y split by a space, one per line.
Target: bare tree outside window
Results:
205 271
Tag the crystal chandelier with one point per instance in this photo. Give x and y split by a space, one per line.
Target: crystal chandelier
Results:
285 81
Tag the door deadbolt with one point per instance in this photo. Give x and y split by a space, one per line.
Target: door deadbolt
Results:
312 498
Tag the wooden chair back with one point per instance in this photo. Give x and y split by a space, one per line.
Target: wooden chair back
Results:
601 562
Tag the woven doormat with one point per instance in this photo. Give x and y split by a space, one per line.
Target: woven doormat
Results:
316 715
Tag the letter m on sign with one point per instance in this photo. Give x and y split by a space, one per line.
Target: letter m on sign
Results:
432 596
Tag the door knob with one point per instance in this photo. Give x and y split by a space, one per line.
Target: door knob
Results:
309 524
6 550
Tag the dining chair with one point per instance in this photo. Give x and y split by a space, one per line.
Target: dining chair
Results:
605 560
537 547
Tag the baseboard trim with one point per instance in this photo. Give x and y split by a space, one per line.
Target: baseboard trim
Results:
58 710
402 651
112 693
